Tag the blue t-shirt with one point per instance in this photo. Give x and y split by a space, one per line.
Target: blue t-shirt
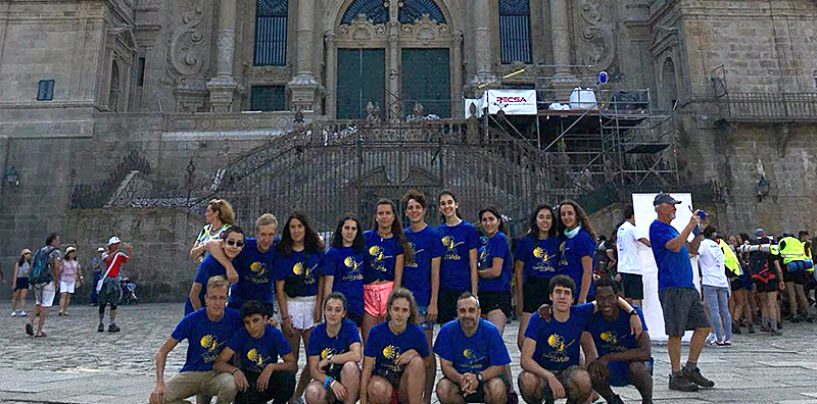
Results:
208 268
300 272
417 275
381 256
496 246
385 346
475 353
571 251
205 339
614 336
257 353
674 269
455 268
540 257
256 274
324 346
557 344
346 266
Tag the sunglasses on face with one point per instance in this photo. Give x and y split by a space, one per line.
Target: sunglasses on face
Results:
236 243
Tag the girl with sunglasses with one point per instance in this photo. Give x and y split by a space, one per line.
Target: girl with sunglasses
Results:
233 244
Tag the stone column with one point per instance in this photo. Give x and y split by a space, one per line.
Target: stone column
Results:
393 96
331 74
304 86
560 34
483 43
223 86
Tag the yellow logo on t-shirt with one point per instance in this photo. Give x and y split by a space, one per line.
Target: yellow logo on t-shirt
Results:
557 342
350 262
609 337
540 253
255 357
391 352
258 268
376 252
327 353
209 342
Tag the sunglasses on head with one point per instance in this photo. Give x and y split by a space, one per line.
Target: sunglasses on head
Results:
237 243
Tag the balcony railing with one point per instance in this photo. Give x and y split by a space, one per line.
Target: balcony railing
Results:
769 107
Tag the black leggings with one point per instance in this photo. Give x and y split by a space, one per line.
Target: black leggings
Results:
102 308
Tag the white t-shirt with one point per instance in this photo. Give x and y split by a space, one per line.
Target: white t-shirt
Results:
627 246
711 261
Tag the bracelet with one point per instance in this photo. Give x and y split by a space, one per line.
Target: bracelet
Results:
286 318
234 370
327 381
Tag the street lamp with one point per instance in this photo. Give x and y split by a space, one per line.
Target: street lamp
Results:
11 177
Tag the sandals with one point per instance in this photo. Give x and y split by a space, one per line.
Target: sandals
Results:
40 335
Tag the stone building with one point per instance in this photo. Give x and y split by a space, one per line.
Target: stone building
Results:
116 114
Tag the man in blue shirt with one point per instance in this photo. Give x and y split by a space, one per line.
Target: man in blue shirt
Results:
623 359
207 331
680 301
473 357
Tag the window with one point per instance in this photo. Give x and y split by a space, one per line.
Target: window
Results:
140 75
514 31
815 79
413 10
373 10
271 32
45 90
268 98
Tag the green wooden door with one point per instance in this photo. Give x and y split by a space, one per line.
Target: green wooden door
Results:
361 79
426 76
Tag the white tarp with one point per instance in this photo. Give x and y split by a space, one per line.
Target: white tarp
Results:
644 216
512 102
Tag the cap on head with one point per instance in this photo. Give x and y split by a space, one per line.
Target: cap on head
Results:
759 232
70 249
100 249
114 240
25 251
664 198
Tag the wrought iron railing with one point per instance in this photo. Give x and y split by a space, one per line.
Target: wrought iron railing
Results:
769 107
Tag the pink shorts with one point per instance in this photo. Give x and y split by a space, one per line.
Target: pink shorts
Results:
376 298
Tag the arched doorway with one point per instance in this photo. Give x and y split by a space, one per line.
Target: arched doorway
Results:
390 57
669 87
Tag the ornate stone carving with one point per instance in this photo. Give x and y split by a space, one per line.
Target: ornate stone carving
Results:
362 30
187 42
425 30
598 45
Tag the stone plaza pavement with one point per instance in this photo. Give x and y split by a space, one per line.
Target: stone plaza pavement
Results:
75 364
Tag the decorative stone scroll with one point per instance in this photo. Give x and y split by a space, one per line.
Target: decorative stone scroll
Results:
597 44
187 42
426 31
361 31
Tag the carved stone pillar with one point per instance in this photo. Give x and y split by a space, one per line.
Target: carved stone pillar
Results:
331 78
560 33
304 86
456 75
483 43
223 86
393 92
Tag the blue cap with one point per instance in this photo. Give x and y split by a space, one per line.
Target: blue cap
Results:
664 198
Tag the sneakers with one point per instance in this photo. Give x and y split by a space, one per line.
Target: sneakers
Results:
29 329
615 400
696 377
101 328
113 328
22 314
681 383
727 342
14 314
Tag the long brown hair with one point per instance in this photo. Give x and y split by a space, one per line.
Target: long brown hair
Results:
403 293
396 230
581 217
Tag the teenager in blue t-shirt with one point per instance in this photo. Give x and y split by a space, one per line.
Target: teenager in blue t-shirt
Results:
298 268
577 249
536 259
257 347
343 266
623 358
332 356
495 271
395 355
473 357
550 353
458 269
387 250
206 330
231 246
255 265
422 277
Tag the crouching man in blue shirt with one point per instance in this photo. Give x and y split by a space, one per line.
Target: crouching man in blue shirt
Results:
473 357
207 331
623 358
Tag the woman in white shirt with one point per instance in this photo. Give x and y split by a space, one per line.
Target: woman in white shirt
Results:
715 286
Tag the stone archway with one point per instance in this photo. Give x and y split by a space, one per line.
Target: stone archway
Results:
368 48
669 86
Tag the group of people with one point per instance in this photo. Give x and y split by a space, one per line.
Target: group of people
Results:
374 297
49 270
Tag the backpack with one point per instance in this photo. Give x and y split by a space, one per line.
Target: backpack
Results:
40 271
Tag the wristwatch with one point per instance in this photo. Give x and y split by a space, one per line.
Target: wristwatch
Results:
479 377
633 313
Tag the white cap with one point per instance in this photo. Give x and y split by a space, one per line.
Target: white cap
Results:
100 249
114 240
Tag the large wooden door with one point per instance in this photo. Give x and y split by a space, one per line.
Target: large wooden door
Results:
426 79
361 79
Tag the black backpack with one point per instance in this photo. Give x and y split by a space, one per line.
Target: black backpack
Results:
40 271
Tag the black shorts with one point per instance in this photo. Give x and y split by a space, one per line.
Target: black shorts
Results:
280 388
478 396
772 285
490 301
798 277
22 283
356 318
633 286
447 305
535 292
683 310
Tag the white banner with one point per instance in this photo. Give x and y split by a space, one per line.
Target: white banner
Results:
479 105
512 102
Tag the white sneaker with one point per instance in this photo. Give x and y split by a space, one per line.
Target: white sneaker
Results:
14 314
22 314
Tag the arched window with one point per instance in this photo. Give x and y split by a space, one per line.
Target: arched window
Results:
373 10
271 32
669 85
514 31
413 10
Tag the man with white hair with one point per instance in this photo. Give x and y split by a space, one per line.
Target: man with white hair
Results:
109 287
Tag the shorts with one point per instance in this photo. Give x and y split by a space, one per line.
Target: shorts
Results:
633 286
490 301
426 324
21 284
773 285
683 311
563 376
535 294
300 311
44 294
479 395
280 387
620 372
797 277
67 287
111 292
376 298
447 305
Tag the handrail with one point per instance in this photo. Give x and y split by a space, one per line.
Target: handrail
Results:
770 106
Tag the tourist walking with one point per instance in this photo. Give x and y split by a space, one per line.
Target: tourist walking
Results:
109 287
43 276
70 279
715 286
19 283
